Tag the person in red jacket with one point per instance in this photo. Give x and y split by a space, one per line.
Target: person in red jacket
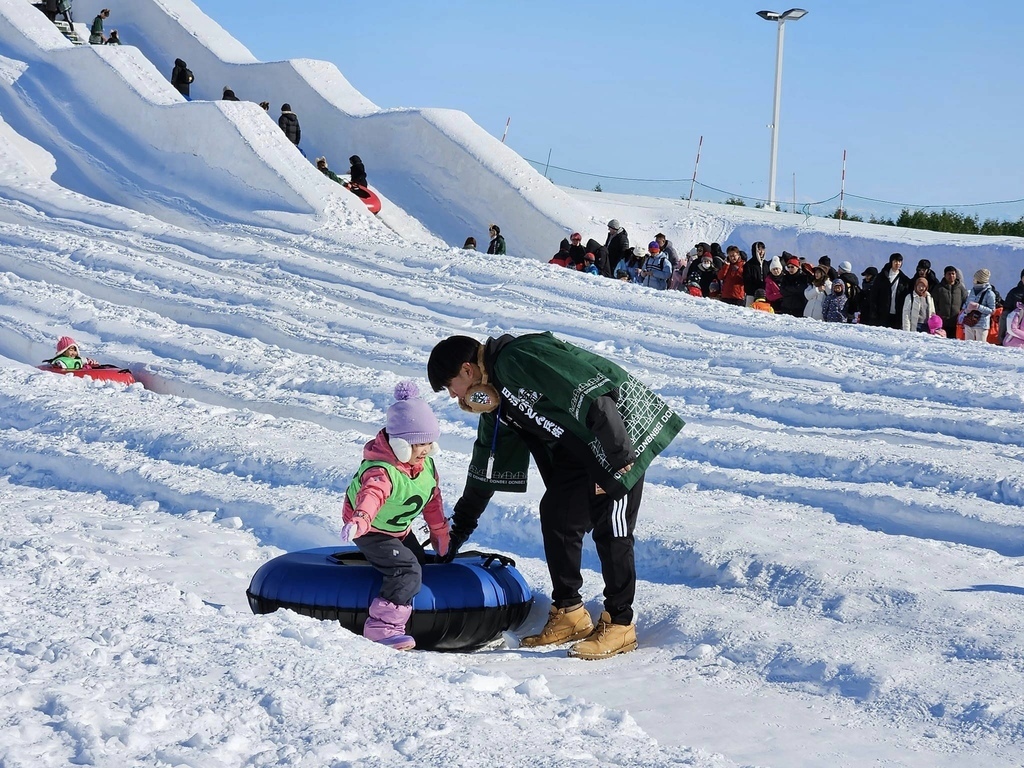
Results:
730 275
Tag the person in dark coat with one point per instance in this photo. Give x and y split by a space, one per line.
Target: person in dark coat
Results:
228 95
717 255
577 252
181 78
949 295
357 171
617 244
830 271
702 272
862 303
114 38
497 244
852 291
793 283
891 289
924 269
754 271
562 258
601 258
289 123
1013 296
667 249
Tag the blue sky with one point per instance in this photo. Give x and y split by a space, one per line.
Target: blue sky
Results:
925 97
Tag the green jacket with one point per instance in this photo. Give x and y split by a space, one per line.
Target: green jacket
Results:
331 175
550 393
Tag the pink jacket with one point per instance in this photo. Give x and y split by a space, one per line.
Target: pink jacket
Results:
375 488
1014 331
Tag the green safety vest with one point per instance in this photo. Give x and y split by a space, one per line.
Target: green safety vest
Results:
71 363
409 495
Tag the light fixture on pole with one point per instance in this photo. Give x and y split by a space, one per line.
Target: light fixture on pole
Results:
793 14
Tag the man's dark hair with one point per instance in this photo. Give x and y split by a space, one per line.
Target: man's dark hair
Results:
447 357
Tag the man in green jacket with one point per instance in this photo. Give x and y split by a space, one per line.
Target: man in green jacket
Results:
96 36
592 429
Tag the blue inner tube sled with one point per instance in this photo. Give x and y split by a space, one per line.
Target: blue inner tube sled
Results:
463 605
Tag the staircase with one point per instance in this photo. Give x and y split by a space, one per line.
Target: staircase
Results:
68 31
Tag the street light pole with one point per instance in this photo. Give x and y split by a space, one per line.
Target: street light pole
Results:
793 14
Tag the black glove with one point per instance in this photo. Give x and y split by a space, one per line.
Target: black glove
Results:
456 539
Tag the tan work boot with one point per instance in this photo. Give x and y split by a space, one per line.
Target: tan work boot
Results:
564 625
607 640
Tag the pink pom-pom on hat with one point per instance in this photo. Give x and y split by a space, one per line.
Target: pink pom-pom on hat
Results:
63 343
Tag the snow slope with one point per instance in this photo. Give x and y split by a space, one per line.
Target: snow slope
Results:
828 556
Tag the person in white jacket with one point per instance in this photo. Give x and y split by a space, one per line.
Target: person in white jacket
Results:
816 292
918 307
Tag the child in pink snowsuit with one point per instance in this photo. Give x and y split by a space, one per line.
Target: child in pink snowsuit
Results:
396 482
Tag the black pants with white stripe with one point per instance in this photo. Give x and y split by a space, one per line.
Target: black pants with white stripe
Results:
569 510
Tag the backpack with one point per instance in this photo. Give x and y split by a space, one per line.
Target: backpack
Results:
189 78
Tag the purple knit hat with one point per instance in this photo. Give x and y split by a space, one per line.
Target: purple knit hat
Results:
410 418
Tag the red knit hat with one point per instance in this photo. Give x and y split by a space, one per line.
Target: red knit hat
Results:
63 343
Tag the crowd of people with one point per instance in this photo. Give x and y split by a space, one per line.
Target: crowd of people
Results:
790 285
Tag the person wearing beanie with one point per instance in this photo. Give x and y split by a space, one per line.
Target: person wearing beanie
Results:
760 302
289 123
657 269
228 95
357 171
395 483
772 292
792 284
976 314
590 265
593 430
68 357
617 242
1013 297
321 165
182 78
497 245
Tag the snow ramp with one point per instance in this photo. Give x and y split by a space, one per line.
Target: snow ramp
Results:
435 164
116 131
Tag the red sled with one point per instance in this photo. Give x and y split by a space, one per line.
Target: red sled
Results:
101 372
366 195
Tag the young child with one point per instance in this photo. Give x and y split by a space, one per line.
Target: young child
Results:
1015 328
935 326
395 483
761 303
67 356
